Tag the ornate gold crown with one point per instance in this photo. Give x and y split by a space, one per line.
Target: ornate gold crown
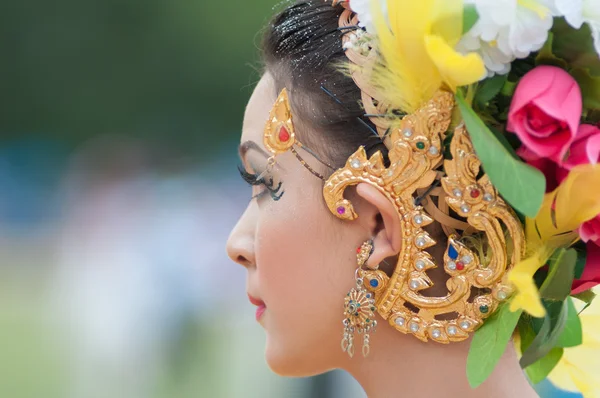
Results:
477 278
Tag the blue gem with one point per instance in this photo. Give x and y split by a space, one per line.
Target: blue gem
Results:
369 295
452 252
374 283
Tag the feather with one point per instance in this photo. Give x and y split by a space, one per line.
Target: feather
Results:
417 51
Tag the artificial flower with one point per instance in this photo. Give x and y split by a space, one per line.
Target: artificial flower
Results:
585 148
578 12
591 272
590 231
507 30
528 296
575 201
417 44
363 10
554 173
577 370
545 111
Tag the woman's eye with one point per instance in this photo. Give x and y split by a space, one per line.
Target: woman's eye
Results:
266 181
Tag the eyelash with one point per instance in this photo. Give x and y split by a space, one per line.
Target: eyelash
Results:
254 180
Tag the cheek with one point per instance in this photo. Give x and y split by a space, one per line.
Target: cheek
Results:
303 272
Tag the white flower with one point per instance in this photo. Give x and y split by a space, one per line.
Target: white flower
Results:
576 12
507 30
365 15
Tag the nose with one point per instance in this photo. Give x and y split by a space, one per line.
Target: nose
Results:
240 245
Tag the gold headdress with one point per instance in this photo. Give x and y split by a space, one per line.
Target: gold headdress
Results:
416 154
454 173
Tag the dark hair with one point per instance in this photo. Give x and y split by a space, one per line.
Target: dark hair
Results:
302 49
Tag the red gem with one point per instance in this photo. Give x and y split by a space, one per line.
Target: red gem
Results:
460 266
358 250
475 193
284 136
358 310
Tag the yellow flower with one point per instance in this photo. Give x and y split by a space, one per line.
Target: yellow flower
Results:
579 367
527 297
574 202
417 45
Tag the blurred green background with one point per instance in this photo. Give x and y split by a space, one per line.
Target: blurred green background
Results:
178 72
119 122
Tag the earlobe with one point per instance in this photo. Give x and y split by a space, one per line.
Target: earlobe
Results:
385 224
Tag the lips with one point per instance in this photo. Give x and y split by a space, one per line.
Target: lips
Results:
261 306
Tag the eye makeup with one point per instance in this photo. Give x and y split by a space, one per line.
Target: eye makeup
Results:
261 179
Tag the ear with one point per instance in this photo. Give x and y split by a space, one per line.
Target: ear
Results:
383 222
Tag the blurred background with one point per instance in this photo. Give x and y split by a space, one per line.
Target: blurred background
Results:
119 123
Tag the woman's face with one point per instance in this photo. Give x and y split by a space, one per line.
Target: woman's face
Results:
299 258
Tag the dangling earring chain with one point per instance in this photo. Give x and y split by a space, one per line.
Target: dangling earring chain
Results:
359 307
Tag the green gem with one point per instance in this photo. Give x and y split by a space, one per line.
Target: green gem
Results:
372 308
358 304
368 320
484 309
421 145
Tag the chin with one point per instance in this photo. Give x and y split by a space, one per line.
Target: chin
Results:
296 360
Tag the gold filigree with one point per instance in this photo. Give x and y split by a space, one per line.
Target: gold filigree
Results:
476 275
279 135
415 152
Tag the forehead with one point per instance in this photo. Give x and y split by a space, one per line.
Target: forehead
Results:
257 110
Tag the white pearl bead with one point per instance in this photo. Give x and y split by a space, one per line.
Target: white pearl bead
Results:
414 327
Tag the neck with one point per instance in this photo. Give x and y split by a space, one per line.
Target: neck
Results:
401 365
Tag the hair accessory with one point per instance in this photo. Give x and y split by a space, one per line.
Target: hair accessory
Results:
441 101
280 136
459 102
359 307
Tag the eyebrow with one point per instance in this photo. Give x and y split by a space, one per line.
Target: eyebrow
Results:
247 145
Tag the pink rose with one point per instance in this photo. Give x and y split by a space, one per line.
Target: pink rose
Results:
591 272
585 149
554 173
590 231
545 111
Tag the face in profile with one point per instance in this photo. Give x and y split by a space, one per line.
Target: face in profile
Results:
298 257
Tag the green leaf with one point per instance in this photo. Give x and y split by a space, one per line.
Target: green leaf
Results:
575 46
509 88
552 327
587 297
489 89
531 354
526 332
572 335
546 55
504 141
539 370
580 264
470 17
557 285
590 87
520 184
542 368
489 344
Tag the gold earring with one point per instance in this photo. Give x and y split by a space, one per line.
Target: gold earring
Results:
359 306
